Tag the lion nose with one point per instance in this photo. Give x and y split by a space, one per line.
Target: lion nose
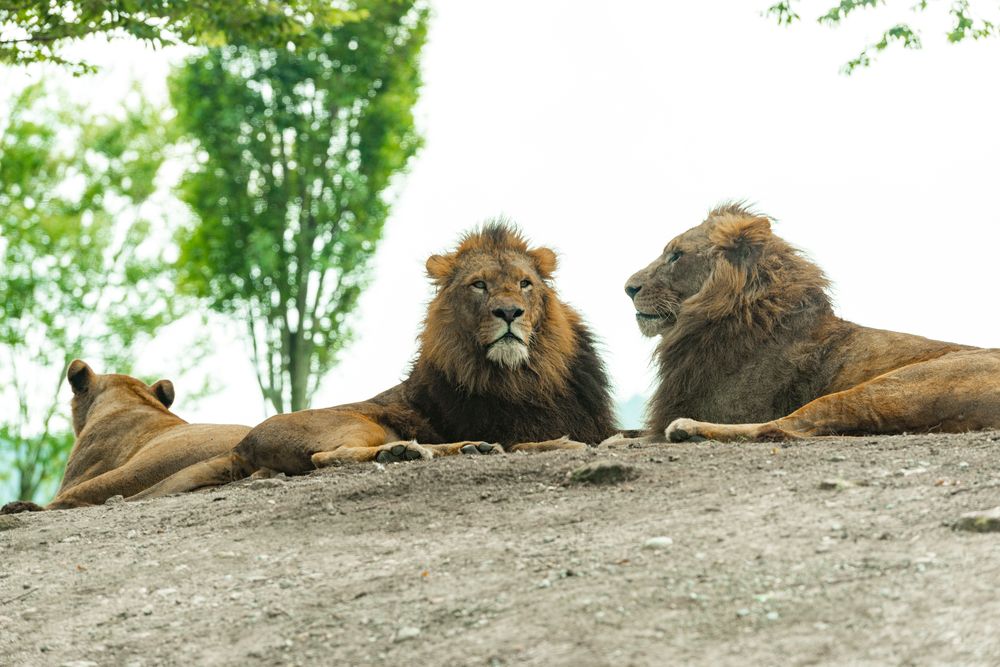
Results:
632 290
508 315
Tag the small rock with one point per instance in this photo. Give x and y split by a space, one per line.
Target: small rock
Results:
603 472
661 542
987 521
70 539
164 592
772 616
836 484
115 500
270 483
743 612
79 663
963 464
837 458
147 611
8 522
407 632
545 583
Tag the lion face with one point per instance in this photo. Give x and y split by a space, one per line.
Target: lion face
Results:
658 291
494 298
92 392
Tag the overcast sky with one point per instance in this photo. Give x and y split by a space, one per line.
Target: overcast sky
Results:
605 129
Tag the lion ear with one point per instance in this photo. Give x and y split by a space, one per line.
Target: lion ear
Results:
164 390
742 238
545 261
80 376
440 268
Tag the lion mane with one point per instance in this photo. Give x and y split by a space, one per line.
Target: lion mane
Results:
749 343
563 389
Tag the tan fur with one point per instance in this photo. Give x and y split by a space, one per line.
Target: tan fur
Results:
127 439
458 398
750 348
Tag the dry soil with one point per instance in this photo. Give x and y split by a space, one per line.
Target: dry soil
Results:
826 551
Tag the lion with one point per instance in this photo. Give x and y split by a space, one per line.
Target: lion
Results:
503 365
751 348
127 439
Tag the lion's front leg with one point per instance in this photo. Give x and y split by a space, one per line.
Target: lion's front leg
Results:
18 506
548 445
466 447
686 430
391 452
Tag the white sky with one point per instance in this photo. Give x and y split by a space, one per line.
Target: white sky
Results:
606 129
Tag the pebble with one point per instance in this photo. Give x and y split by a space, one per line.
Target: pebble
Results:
772 616
742 612
963 464
115 500
407 632
79 663
986 521
271 483
661 542
836 484
603 472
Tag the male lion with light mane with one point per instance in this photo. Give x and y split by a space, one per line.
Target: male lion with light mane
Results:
750 345
501 360
127 439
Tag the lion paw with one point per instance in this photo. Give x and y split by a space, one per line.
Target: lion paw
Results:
683 430
481 448
19 506
397 452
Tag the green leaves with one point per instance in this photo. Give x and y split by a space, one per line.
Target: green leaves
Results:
76 276
34 30
965 26
295 150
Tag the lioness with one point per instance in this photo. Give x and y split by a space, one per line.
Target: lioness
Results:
747 334
501 360
127 440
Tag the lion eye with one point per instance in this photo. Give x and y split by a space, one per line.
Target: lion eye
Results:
525 284
675 255
479 284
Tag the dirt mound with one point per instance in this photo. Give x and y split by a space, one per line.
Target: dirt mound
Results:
825 551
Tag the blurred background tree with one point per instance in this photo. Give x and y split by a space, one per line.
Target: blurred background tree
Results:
965 25
81 273
35 30
296 149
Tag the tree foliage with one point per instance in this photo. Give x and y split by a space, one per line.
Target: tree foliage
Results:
296 149
965 25
79 268
35 30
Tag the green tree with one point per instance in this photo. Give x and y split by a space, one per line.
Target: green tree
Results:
79 269
35 30
295 152
965 25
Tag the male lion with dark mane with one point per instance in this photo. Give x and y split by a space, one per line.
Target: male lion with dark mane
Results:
501 360
127 439
750 345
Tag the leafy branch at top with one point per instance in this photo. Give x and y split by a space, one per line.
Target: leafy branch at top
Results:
964 26
35 30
